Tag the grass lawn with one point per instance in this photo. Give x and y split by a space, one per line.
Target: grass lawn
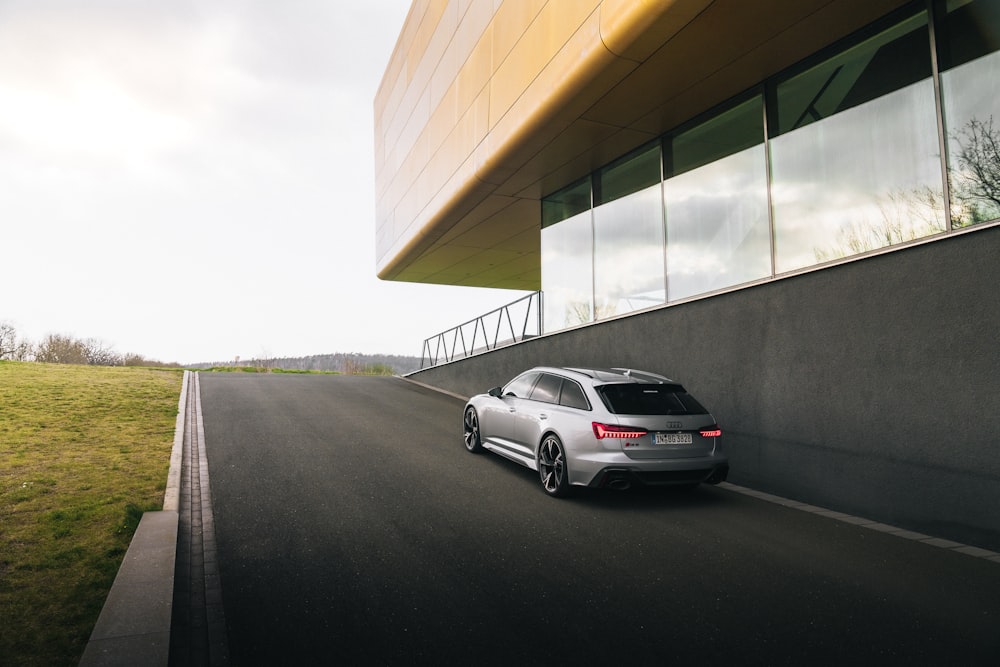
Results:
84 450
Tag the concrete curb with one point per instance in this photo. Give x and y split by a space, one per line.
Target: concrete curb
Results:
171 497
134 625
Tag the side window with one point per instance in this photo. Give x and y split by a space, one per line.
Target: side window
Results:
521 385
573 396
547 389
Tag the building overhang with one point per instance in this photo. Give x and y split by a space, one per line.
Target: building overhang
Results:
481 114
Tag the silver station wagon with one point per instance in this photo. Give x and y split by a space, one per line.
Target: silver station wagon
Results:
610 428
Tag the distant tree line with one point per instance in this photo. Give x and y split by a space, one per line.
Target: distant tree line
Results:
63 349
347 363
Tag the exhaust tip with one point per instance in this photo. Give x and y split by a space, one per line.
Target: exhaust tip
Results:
619 480
718 475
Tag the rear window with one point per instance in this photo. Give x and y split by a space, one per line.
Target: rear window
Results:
649 399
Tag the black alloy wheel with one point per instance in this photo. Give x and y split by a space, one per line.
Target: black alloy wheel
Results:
473 441
552 467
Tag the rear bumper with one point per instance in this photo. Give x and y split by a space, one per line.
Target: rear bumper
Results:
623 477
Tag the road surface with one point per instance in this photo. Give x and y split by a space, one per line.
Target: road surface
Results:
354 529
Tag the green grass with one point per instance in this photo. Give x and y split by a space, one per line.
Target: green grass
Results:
84 451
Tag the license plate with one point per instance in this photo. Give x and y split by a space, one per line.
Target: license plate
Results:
672 438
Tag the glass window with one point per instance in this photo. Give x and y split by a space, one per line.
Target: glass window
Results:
566 203
573 396
718 231
649 399
855 165
628 253
636 171
521 385
547 389
968 41
568 272
882 64
727 132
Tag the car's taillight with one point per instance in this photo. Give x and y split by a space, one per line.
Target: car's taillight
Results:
614 431
712 431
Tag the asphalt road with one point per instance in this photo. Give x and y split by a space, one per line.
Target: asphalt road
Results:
354 529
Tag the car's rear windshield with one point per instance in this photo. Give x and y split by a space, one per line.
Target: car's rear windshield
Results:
649 399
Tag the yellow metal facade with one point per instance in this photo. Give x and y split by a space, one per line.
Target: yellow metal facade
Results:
488 105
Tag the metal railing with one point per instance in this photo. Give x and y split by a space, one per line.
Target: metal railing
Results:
484 333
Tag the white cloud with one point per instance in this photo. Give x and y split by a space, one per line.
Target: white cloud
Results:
193 181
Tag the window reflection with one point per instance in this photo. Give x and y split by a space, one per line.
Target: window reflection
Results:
969 47
632 173
567 273
893 59
566 203
628 253
855 165
717 217
850 177
717 230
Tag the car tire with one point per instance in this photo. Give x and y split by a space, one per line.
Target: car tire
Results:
552 468
473 438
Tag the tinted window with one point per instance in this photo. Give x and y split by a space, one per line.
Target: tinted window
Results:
521 385
889 61
649 399
726 132
968 30
573 396
632 173
547 389
566 203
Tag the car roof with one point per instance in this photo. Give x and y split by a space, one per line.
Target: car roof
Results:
607 375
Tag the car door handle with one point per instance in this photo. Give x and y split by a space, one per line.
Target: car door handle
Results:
512 409
543 416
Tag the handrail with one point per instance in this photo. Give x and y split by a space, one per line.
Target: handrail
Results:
444 347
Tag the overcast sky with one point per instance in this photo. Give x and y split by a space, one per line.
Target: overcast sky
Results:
192 181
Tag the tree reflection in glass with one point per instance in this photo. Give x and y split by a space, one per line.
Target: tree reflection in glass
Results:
567 272
969 57
975 178
855 158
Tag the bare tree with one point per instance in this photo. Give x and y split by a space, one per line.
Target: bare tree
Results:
133 359
13 348
25 351
976 181
100 354
61 349
8 340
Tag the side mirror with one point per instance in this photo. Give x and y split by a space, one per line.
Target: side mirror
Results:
496 392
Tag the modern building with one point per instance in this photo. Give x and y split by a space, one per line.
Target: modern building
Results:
792 206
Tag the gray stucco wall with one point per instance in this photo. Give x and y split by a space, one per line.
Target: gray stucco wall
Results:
872 387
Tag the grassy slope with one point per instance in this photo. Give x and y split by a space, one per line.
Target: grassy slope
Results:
83 451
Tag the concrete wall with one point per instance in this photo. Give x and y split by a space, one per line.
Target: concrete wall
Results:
872 387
